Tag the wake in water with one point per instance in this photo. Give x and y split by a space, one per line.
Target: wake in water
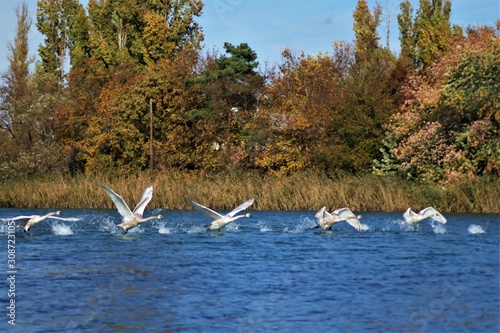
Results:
475 229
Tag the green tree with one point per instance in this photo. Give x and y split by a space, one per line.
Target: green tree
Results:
169 27
55 19
145 31
230 85
406 33
432 30
365 30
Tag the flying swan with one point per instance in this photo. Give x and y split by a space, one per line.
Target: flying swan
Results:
326 219
429 212
30 220
131 219
219 220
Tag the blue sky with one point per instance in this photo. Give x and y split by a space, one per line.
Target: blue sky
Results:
270 26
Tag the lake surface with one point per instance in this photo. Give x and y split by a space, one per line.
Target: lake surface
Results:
268 273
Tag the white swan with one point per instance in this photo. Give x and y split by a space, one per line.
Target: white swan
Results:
131 219
326 219
429 212
219 220
30 220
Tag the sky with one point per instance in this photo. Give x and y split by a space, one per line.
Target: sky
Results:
268 27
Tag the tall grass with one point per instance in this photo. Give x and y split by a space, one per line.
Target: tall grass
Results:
301 191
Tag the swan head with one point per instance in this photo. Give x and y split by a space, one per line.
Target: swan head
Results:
56 213
247 215
159 216
359 217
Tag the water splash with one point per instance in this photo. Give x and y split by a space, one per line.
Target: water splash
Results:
163 229
108 225
365 227
136 230
195 229
402 225
61 229
263 227
475 229
438 228
233 227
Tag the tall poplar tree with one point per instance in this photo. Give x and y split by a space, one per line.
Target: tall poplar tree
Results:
15 88
428 35
365 30
143 31
406 36
55 18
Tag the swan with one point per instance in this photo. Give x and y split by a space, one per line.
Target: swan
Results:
429 212
219 220
30 220
131 219
326 219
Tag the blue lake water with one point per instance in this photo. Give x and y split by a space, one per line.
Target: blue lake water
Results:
268 273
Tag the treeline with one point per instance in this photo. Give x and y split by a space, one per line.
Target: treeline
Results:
140 79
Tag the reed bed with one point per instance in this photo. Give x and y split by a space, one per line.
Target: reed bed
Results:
301 191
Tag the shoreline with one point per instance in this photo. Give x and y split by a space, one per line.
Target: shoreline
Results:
297 192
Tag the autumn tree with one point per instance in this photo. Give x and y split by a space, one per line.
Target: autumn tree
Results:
29 104
15 92
129 44
447 130
16 80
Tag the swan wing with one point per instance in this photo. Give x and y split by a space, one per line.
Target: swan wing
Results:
241 207
146 198
17 218
70 219
122 207
433 214
205 210
345 214
320 214
409 215
324 218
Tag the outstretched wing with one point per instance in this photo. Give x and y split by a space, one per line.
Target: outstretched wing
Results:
241 207
347 215
433 214
119 203
70 219
205 210
18 218
22 220
146 198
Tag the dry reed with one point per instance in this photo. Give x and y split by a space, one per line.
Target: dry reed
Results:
301 191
